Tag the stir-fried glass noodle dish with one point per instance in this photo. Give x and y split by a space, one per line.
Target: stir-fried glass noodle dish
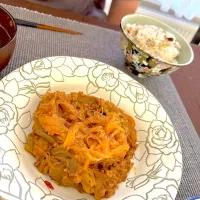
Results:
83 142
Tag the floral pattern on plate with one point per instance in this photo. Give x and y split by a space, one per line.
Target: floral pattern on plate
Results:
158 158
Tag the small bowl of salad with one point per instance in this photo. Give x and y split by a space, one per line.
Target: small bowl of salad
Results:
152 48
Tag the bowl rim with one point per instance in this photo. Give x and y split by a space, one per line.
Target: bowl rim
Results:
15 27
174 64
194 198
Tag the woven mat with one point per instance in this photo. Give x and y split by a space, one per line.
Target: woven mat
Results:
104 45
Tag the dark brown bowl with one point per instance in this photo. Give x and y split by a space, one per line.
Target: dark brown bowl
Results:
8 30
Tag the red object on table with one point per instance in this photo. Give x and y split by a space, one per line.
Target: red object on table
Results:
8 30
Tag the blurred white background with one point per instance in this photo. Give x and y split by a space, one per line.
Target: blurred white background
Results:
183 15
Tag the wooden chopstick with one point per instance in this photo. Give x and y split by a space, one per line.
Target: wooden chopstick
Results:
45 27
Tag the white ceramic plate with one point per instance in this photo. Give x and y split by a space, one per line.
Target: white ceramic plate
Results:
158 158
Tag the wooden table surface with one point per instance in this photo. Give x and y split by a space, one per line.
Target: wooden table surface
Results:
186 79
187 82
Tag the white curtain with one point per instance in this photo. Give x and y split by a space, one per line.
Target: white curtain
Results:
182 8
